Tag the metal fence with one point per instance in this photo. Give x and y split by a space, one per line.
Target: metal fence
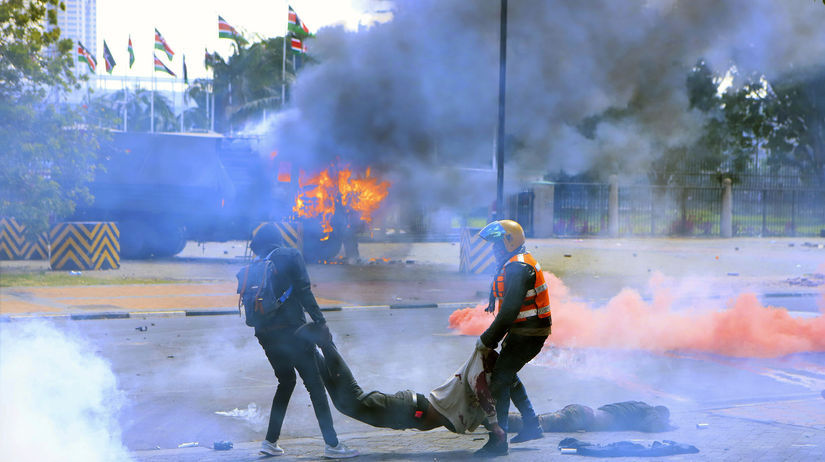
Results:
582 209
778 212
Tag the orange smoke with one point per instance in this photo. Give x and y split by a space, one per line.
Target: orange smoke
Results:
744 329
337 187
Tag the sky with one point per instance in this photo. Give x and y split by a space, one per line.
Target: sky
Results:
190 26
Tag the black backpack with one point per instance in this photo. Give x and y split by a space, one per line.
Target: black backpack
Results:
257 293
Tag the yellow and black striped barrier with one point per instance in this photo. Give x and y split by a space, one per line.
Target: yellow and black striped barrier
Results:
15 246
292 233
85 246
475 253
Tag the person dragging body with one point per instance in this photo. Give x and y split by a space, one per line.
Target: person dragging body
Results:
288 279
463 402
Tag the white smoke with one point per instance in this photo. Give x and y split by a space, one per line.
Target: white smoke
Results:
59 401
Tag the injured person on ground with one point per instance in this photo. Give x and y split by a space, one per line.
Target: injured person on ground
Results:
463 402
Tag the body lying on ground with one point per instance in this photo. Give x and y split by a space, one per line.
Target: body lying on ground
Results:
624 416
463 402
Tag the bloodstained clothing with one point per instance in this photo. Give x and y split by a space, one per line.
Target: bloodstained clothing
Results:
463 401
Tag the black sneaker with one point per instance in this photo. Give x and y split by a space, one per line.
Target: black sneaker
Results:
528 433
493 448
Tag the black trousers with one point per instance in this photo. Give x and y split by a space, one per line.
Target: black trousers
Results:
517 350
397 411
287 353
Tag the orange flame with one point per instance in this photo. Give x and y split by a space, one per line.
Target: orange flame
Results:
336 186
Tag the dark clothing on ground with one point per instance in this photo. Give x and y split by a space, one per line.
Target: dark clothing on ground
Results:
288 353
628 448
399 411
627 415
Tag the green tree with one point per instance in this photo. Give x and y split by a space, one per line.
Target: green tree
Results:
797 136
249 82
738 122
49 150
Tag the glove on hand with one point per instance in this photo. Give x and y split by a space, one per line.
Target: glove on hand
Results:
491 307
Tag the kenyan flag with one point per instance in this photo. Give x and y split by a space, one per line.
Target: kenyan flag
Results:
83 55
160 44
108 58
297 45
296 26
225 30
131 53
159 66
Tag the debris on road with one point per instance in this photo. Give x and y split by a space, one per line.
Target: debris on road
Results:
807 280
222 445
141 328
702 426
193 444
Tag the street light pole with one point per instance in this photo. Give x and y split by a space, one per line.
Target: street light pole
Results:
502 73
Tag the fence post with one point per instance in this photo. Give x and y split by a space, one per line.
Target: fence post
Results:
764 198
793 212
613 207
726 220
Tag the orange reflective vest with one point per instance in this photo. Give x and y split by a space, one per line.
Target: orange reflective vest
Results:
536 300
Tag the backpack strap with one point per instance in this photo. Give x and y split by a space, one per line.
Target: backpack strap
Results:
243 288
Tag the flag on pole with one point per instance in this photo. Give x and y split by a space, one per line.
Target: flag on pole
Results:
131 53
208 59
108 58
185 74
225 30
296 26
159 66
86 57
297 45
160 44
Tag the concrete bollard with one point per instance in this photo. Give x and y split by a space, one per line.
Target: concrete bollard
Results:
613 207
726 220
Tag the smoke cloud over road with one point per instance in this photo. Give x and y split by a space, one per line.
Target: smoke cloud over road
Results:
421 90
745 328
60 400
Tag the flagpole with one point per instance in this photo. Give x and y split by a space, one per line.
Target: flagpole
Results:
181 112
152 106
123 84
206 104
283 68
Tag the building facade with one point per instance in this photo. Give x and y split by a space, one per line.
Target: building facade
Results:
79 23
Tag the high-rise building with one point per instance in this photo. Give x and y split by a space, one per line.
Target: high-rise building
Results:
79 23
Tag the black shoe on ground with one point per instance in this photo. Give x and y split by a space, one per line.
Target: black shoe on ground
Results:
493 448
313 332
528 433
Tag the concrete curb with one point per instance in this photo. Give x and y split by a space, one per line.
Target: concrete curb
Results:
214 312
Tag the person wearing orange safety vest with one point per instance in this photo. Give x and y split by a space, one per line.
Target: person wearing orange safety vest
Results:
523 322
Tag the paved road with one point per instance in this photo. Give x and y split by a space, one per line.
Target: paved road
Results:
178 372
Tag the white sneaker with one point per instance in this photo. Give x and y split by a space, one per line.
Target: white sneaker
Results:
340 452
271 449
